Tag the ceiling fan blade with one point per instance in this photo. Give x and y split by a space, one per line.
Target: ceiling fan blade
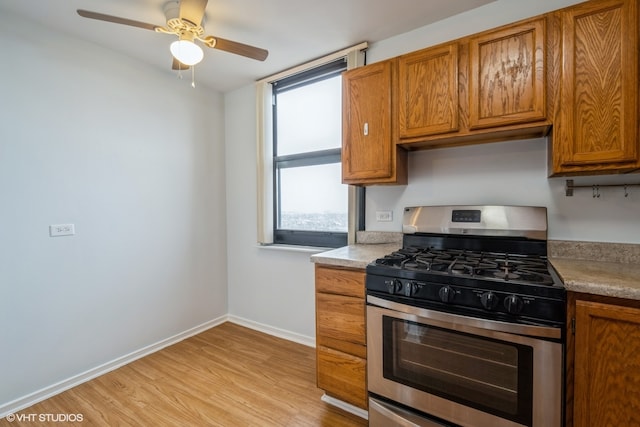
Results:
237 48
193 10
177 65
116 19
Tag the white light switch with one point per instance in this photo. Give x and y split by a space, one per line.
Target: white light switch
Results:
384 215
62 230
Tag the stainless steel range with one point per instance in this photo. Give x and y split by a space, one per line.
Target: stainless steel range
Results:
466 323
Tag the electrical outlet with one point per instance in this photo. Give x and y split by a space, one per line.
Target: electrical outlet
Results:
62 230
384 216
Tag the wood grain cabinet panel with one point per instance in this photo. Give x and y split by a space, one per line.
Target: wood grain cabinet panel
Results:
492 86
575 69
343 376
428 91
597 129
340 281
341 333
607 365
507 75
369 152
340 319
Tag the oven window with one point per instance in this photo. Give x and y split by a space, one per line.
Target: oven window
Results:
489 375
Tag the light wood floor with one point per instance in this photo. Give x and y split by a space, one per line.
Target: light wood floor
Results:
226 376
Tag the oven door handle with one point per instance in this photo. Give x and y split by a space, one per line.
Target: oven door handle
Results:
384 414
474 322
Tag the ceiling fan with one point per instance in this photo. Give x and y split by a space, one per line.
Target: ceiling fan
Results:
185 20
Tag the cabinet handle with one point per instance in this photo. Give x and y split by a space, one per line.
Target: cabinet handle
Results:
365 131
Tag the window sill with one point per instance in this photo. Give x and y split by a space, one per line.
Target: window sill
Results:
295 248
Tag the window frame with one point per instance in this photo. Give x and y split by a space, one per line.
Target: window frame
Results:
283 236
355 56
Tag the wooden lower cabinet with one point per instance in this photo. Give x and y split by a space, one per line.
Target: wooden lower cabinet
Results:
341 334
342 375
604 362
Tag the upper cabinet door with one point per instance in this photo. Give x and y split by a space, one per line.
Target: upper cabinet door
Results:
507 77
598 127
369 152
428 91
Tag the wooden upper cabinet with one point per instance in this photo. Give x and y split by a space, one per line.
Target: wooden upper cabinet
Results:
597 129
428 91
369 152
573 72
492 86
507 81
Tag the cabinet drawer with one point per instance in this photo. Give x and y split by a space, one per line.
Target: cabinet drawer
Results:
340 281
342 376
340 322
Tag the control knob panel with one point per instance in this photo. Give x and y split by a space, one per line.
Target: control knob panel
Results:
394 286
489 300
513 304
446 294
411 289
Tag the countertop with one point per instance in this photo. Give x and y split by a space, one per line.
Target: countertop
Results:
609 269
355 256
599 277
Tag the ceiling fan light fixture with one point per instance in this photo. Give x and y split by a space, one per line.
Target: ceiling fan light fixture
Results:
186 51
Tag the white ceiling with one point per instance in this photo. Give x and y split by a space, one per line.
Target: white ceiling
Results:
293 31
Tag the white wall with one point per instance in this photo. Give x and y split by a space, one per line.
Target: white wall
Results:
276 288
268 288
135 159
492 15
511 173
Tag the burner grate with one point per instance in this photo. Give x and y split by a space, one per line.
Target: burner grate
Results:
489 265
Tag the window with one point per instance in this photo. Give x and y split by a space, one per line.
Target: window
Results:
301 199
310 202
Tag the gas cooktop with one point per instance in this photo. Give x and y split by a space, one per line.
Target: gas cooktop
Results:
480 260
524 269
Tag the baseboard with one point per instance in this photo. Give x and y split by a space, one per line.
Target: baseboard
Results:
276 332
52 390
345 406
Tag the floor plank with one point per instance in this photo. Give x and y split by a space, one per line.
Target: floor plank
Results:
226 376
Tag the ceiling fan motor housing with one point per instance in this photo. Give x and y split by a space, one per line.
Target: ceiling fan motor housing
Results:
183 28
172 10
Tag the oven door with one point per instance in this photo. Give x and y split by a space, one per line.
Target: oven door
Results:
468 371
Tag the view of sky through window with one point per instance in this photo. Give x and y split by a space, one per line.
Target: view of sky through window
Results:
313 198
310 119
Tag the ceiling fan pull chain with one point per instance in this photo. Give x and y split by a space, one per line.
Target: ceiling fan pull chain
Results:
193 77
